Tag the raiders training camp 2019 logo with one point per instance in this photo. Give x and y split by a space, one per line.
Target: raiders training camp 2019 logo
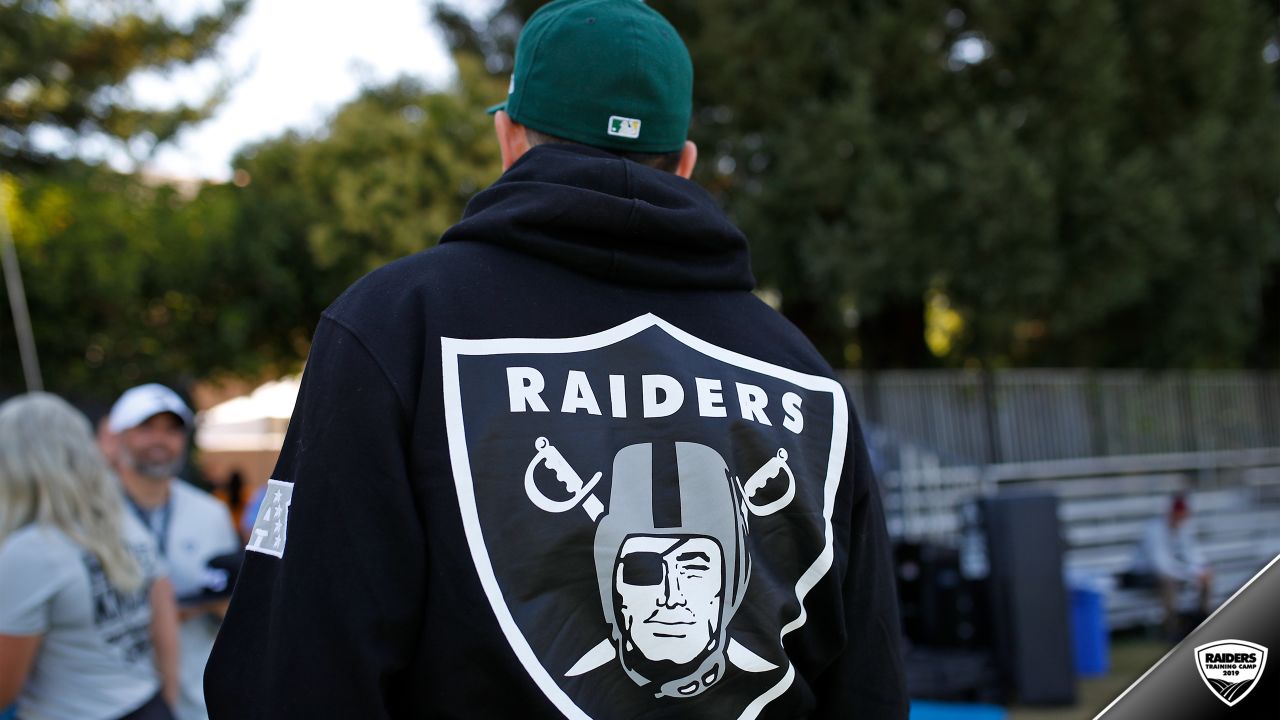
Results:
1231 668
646 512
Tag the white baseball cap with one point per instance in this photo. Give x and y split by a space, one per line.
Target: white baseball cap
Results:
141 403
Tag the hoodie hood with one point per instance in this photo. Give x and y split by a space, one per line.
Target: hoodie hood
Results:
598 214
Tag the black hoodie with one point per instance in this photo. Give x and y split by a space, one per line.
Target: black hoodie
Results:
565 464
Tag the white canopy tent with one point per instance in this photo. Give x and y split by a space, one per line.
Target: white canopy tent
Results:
253 422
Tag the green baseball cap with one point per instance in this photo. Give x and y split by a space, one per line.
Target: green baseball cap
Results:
611 74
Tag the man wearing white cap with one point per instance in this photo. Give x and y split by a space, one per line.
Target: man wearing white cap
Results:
148 430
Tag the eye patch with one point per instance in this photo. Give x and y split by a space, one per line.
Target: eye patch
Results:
642 568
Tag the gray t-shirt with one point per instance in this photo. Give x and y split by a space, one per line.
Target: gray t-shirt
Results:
95 658
198 528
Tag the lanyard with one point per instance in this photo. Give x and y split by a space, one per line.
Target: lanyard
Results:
155 521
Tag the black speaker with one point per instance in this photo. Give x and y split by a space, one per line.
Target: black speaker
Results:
1028 598
938 605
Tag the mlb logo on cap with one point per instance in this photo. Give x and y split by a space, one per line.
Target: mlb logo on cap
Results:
624 127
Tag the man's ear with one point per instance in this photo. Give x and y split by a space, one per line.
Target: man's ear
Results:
512 142
108 442
688 158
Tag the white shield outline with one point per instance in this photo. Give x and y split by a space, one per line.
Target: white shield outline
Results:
1262 666
452 348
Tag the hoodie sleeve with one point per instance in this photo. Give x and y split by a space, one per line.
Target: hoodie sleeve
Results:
320 625
867 679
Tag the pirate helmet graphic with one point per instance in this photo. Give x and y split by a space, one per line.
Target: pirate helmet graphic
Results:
671 559
672 564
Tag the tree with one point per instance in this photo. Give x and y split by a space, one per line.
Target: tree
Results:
63 66
85 234
390 172
130 281
99 252
1085 182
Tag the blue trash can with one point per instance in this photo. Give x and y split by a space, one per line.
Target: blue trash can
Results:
1089 637
8 713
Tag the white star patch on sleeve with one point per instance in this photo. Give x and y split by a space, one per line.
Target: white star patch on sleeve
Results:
271 528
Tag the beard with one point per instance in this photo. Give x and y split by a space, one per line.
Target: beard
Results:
156 468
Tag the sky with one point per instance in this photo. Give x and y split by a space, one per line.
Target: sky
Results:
292 63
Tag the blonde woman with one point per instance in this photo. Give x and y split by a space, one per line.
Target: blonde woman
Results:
88 622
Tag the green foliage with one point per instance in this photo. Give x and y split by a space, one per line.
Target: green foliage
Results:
128 281
107 280
1085 182
1095 183
392 171
63 65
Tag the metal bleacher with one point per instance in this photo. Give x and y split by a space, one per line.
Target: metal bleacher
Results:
1235 502
1104 504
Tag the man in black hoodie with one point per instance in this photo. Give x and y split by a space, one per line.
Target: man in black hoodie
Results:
565 464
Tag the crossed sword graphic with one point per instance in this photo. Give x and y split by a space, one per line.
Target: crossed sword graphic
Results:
581 493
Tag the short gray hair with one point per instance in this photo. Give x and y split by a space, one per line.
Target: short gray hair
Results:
667 162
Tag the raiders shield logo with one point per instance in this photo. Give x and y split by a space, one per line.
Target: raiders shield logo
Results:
1230 668
646 512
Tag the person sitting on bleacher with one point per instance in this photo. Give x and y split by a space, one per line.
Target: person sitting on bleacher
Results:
1168 558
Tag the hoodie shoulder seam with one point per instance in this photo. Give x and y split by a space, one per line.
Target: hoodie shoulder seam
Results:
386 375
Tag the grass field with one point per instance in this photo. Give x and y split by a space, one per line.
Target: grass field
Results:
1130 658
